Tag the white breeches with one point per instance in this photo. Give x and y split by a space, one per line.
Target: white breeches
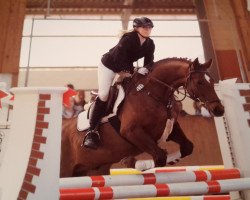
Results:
105 80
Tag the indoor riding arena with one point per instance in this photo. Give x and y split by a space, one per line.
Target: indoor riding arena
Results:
176 121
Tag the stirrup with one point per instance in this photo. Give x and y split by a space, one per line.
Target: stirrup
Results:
91 140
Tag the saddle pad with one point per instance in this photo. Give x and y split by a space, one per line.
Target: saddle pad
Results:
83 121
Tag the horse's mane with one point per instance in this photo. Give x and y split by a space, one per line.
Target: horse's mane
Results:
186 60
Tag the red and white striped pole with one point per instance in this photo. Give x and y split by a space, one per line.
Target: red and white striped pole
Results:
151 178
205 197
173 189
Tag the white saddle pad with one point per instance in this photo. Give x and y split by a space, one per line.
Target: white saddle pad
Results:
83 121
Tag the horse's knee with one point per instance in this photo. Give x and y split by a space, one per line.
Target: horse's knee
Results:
186 149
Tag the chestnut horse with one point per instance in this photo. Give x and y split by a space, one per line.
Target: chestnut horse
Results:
148 103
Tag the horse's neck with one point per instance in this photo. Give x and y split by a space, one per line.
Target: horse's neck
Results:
172 74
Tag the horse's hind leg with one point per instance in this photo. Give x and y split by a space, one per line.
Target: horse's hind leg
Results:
178 136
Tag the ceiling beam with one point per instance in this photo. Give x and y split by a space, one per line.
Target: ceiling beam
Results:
120 7
126 13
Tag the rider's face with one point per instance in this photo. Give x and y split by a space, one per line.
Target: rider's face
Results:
144 31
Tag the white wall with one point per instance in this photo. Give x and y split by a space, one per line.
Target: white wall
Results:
81 78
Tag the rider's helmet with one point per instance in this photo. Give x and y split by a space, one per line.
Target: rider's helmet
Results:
142 22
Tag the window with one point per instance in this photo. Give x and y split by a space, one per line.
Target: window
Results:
81 42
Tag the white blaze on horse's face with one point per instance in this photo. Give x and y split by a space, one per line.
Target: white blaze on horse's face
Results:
208 79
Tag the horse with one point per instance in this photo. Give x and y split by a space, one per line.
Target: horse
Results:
149 102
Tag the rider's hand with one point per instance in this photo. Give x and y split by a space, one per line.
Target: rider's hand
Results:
142 70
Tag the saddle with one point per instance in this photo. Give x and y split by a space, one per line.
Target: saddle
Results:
116 96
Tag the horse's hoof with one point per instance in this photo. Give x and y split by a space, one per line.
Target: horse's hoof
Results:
91 141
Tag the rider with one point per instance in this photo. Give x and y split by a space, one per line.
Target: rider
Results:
131 47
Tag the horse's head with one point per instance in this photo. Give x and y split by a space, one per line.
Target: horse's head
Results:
200 86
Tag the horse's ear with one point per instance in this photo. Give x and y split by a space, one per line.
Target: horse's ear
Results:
195 64
196 61
208 63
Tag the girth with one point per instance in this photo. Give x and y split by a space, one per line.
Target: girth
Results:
159 91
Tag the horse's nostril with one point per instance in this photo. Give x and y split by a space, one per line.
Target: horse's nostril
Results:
218 111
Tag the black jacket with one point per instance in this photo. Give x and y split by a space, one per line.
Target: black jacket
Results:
128 50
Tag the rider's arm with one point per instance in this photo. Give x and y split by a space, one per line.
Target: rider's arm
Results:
149 56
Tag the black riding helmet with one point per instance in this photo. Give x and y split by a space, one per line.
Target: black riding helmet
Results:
142 22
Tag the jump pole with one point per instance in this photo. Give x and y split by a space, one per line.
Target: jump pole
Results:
31 163
157 190
121 171
144 179
206 197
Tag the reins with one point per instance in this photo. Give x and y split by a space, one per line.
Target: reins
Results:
185 86
147 83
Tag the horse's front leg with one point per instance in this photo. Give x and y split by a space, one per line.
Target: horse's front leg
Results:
145 143
177 135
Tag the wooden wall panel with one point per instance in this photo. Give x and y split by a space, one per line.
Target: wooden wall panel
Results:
12 13
229 27
228 64
242 17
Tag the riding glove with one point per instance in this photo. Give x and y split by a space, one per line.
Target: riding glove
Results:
142 70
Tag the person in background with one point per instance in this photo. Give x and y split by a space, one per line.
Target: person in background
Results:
200 109
68 110
131 47
93 96
79 102
71 86
182 112
197 108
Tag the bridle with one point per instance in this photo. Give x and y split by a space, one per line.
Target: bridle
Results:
190 93
193 91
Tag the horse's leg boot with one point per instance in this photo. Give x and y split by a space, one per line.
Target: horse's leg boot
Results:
92 138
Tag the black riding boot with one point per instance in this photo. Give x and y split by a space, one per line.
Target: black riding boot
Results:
92 138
